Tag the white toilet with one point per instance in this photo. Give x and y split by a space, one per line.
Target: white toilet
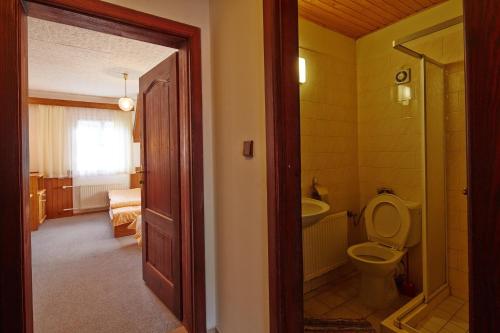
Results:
392 225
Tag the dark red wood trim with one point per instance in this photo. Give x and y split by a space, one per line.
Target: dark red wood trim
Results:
15 269
108 13
107 18
70 103
482 33
283 165
82 20
197 242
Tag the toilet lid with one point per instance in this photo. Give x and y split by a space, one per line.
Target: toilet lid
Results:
387 221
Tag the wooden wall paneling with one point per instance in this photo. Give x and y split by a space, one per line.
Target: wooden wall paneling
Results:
75 104
482 33
50 200
51 193
58 198
67 201
33 210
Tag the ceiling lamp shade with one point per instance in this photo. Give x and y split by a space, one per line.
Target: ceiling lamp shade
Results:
126 103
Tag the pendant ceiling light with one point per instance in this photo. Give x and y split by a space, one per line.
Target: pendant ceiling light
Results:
126 103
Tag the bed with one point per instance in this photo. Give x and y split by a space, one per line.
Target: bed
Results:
124 208
137 225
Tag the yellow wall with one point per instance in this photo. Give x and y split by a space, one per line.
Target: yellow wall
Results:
328 115
456 179
241 199
390 134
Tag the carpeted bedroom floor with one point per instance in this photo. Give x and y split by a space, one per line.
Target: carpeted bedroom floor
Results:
85 280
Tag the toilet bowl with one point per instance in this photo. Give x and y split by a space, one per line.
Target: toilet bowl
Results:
392 225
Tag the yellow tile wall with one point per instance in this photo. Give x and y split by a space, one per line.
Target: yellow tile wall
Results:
456 177
328 116
355 137
390 135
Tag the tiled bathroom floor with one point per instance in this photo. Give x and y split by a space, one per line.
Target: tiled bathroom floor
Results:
341 300
451 316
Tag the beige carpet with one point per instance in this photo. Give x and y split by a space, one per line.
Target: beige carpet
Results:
84 280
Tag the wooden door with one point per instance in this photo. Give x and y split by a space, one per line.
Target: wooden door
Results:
161 258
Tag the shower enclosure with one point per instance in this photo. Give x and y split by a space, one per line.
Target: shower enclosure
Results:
438 54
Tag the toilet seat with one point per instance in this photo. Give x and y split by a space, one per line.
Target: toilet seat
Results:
387 221
374 253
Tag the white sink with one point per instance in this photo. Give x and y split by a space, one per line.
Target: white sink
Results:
313 210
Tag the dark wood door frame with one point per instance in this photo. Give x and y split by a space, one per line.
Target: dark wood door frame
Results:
15 260
482 33
281 56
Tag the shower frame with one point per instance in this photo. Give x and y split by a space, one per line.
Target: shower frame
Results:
398 44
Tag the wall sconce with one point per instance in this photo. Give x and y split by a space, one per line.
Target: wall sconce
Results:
404 94
302 70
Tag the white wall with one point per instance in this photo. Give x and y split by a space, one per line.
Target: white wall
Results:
195 12
240 184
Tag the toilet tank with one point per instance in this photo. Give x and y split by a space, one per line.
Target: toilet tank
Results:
415 234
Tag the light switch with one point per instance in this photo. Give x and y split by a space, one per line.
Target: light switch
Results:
248 149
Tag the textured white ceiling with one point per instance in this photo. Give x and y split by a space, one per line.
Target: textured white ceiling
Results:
73 60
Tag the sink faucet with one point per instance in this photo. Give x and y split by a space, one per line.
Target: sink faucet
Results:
315 193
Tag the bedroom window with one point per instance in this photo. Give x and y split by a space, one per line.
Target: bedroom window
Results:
102 147
80 142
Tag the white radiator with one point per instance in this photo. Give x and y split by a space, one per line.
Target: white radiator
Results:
87 197
325 245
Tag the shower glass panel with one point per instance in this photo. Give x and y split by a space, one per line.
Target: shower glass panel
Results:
441 54
435 179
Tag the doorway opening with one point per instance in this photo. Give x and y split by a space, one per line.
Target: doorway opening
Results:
159 199
86 177
378 101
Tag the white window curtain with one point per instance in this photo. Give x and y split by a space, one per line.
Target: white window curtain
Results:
79 142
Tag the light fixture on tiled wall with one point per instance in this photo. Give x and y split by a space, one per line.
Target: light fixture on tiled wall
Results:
302 70
404 94
404 91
